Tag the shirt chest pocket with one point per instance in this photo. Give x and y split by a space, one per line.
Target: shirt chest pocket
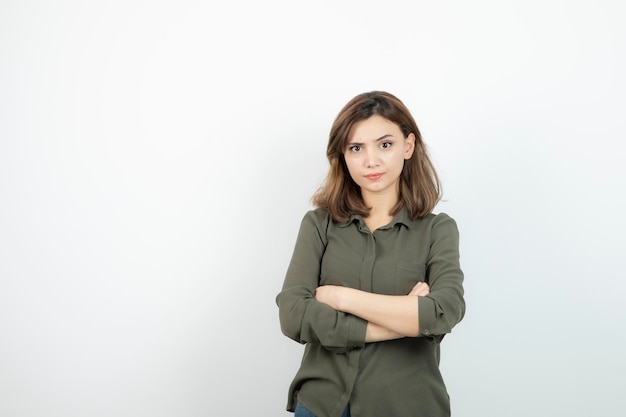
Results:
407 276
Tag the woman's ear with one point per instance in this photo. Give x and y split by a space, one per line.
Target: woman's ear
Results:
409 146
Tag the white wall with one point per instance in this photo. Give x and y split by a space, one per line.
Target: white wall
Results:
156 158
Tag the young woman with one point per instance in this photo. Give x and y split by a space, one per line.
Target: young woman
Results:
374 282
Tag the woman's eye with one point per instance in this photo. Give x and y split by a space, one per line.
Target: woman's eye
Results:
386 145
355 148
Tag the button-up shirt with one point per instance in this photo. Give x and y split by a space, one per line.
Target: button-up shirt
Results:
395 378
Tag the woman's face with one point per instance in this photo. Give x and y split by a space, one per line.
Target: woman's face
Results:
375 154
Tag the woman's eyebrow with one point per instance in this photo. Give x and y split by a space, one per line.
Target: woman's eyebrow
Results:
388 135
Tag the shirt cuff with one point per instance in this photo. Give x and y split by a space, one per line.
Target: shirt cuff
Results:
356 336
427 315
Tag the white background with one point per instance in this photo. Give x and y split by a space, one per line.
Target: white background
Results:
156 158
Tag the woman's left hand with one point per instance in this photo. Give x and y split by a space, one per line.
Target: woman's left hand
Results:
331 295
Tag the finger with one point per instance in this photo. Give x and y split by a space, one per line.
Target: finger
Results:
421 288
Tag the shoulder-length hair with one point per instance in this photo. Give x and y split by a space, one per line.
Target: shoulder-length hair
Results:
420 188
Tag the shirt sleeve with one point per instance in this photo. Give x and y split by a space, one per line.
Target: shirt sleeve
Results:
302 318
444 306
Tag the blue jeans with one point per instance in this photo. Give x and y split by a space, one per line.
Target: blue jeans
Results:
301 411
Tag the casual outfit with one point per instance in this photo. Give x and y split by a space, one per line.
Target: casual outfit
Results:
395 378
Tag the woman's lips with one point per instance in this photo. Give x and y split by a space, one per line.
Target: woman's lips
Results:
374 177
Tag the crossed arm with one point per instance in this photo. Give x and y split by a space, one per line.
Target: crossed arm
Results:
388 316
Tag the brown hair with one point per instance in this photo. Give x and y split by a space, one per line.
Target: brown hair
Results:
420 189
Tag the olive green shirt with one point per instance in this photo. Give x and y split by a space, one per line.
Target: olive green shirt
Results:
396 378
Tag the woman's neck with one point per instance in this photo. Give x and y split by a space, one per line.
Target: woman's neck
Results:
380 209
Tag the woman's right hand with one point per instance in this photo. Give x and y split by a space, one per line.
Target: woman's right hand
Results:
421 289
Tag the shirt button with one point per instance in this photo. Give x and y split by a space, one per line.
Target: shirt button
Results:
426 332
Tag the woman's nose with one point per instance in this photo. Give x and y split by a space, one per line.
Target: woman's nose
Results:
372 158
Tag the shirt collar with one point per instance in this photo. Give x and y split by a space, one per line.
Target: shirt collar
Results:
402 217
